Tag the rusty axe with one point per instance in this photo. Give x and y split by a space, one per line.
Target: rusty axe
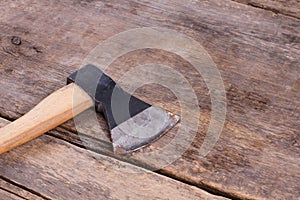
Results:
132 122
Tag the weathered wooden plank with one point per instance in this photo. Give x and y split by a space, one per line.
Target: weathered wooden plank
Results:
8 196
15 192
257 53
289 7
58 170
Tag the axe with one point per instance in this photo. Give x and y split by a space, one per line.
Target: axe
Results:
132 122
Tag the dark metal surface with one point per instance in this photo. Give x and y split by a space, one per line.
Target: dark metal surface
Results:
133 123
117 105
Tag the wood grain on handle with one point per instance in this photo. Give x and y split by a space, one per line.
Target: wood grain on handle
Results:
54 110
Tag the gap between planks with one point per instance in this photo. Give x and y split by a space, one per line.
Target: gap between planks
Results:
205 187
20 190
243 163
33 166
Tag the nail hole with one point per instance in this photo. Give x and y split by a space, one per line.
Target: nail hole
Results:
16 40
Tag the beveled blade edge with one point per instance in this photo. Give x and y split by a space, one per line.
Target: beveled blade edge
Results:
142 129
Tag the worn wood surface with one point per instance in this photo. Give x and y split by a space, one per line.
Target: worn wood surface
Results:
58 170
8 196
11 191
286 7
257 52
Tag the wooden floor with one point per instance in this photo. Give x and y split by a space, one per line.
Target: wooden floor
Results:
255 45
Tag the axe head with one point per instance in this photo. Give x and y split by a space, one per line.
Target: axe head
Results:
132 122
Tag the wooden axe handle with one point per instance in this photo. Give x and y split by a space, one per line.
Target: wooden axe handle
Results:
54 110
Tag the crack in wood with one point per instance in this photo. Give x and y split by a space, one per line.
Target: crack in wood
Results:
23 187
246 43
266 7
136 163
13 193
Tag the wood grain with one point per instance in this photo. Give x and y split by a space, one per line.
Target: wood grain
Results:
8 196
289 7
58 170
257 53
10 191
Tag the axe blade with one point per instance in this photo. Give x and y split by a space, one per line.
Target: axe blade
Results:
133 123
142 129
